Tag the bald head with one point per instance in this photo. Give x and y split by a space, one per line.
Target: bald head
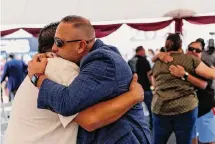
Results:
83 26
77 38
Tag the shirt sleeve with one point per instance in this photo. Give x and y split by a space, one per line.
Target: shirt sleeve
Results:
66 120
95 82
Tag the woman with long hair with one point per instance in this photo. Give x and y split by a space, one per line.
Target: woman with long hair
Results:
205 124
175 104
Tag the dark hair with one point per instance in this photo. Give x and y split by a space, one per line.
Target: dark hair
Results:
46 37
139 48
80 22
176 42
151 51
201 40
194 43
11 56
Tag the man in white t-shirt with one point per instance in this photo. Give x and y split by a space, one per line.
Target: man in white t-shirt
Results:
29 125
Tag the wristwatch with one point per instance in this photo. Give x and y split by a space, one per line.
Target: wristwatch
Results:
185 76
35 78
152 88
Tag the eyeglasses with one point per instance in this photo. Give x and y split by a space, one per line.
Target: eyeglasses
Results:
60 43
194 49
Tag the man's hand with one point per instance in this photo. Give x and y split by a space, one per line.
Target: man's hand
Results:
177 71
136 88
37 65
165 57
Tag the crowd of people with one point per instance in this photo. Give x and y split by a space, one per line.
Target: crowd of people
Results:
183 98
80 90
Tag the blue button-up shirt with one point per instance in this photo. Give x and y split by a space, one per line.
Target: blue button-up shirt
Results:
103 75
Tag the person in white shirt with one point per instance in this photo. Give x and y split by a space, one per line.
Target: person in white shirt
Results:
29 125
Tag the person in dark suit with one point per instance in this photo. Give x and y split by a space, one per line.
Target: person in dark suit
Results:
16 71
103 76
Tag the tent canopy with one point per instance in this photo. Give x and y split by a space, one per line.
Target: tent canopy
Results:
45 11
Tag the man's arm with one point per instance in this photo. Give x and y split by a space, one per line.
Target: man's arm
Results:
108 112
94 83
179 71
205 71
153 81
5 73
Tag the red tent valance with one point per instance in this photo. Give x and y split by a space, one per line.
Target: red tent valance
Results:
105 30
150 26
201 20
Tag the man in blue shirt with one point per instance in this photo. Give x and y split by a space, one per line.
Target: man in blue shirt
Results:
103 75
16 71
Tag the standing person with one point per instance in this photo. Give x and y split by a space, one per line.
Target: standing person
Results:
209 56
174 103
140 65
205 124
103 76
15 70
30 125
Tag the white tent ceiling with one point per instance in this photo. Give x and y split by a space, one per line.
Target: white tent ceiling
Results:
46 11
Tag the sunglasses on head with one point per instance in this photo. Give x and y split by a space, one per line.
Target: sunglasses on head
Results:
60 43
194 49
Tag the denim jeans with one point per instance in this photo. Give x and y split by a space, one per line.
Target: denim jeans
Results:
182 125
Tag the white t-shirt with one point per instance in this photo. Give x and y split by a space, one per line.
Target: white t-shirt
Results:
30 125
